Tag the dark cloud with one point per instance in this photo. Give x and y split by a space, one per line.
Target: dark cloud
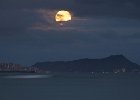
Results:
14 22
109 8
34 4
85 8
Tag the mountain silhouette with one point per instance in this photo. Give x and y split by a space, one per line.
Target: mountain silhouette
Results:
108 64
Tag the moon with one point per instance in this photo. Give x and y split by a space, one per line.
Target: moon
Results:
63 16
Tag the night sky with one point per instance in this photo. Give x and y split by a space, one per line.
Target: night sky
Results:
99 28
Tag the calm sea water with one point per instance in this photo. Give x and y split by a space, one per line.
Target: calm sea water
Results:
71 87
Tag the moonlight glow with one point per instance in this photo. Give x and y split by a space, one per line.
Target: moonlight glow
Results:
63 16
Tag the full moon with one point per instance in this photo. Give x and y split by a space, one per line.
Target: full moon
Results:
63 16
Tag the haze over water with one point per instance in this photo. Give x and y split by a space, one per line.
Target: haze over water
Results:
71 87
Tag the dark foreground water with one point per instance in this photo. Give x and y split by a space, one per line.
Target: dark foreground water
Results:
71 87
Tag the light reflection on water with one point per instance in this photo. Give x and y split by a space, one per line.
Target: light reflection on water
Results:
26 76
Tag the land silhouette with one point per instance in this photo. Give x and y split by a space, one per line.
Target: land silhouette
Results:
113 63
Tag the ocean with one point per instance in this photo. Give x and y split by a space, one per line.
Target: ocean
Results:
69 86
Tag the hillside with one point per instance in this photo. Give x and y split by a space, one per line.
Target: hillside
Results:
112 63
